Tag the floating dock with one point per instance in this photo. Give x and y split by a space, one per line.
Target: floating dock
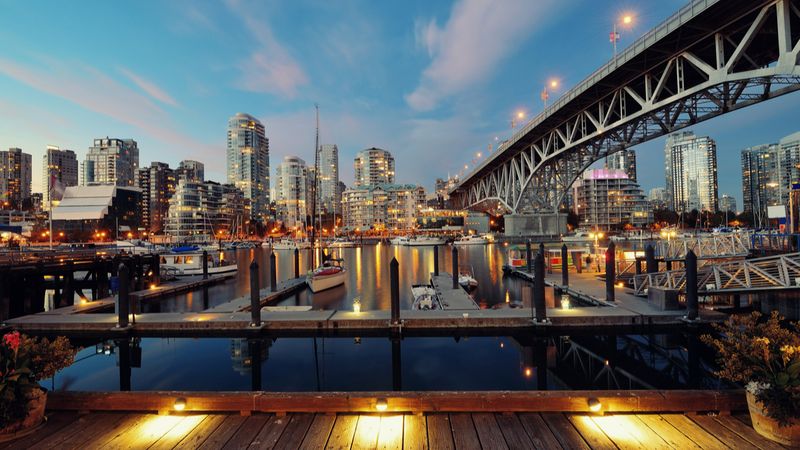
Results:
451 298
267 296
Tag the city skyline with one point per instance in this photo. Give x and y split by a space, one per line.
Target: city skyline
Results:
408 100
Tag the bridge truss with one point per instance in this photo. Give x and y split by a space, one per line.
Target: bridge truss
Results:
710 58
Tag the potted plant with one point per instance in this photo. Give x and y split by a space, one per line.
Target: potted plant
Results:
764 355
23 362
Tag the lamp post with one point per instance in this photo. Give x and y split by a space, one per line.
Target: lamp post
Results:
626 20
517 118
545 95
596 235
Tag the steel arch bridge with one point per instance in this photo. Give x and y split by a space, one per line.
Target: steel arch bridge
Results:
710 58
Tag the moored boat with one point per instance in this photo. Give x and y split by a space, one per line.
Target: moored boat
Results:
425 298
290 244
341 243
399 240
330 274
471 239
190 262
422 241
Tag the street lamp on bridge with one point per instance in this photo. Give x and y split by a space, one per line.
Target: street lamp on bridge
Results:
517 118
553 85
626 20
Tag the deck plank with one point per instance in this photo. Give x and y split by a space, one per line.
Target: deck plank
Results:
539 433
693 431
247 432
343 431
722 433
623 432
415 432
224 432
105 435
645 434
147 429
271 432
177 434
390 435
317 435
513 431
366 436
748 433
667 432
439 434
564 432
295 431
488 431
591 433
201 433
56 425
464 434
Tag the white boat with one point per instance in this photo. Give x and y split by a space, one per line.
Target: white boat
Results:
341 243
578 236
467 281
266 244
472 239
290 244
399 240
189 263
421 241
135 247
242 244
330 274
425 298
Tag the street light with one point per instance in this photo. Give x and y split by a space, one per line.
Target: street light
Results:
596 236
518 117
627 21
545 95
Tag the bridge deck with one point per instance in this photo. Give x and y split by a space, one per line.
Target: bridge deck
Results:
395 431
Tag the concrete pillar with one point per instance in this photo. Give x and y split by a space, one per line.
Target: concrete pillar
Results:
650 259
123 297
564 265
611 272
691 286
538 289
273 273
255 295
436 260
205 264
455 267
394 283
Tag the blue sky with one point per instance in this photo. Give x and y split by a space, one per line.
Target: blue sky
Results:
433 82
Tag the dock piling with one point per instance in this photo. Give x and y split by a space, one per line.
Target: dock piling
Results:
436 260
138 262
296 263
155 267
528 255
611 271
394 282
273 273
691 286
564 266
205 264
650 258
539 304
637 264
123 297
255 294
455 267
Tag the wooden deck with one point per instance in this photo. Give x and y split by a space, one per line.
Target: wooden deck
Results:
65 430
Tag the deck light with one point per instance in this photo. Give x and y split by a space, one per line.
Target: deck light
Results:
152 285
565 303
528 372
180 404
381 405
594 405
357 305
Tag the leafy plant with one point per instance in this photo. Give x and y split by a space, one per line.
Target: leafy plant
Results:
766 356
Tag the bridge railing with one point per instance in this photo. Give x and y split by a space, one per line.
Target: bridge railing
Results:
673 22
724 245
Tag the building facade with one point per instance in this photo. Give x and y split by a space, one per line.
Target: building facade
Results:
59 171
768 173
329 196
727 203
291 191
658 198
99 211
690 166
625 161
157 183
15 178
373 166
191 170
111 161
248 163
381 207
204 211
606 199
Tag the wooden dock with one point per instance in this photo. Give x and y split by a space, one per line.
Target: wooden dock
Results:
267 296
452 299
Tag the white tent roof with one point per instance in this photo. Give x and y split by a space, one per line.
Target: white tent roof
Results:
85 202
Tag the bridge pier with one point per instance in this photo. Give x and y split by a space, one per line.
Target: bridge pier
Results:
538 224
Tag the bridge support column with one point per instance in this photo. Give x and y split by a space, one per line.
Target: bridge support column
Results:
539 224
691 286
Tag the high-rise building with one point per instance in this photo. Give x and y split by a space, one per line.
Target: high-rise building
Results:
111 161
690 164
59 167
329 195
658 198
624 160
191 170
790 163
248 162
157 183
199 212
291 189
373 166
15 178
761 179
442 188
727 203
381 207
606 199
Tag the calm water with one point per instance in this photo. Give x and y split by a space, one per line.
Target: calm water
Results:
368 277
380 363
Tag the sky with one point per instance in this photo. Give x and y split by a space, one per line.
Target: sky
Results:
432 82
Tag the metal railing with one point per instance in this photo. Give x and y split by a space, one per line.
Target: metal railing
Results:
727 245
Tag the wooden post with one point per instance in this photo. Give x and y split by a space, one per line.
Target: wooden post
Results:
68 289
528 255
436 260
564 266
139 264
394 283
691 286
205 264
650 259
296 263
538 289
577 259
455 267
255 296
638 265
155 266
273 273
611 272
123 299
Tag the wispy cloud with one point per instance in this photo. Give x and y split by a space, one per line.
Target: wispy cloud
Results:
149 87
270 68
469 47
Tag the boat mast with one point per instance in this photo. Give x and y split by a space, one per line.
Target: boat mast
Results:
314 193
